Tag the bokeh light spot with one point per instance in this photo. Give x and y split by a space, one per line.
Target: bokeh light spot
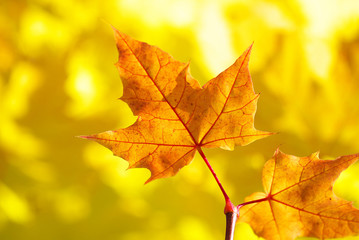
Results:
83 86
14 207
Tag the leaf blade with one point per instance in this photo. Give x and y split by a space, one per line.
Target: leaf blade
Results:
300 199
172 109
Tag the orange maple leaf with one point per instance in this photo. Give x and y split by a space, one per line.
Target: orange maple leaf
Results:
176 116
299 199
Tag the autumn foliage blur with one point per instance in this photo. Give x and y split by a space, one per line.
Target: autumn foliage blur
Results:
58 80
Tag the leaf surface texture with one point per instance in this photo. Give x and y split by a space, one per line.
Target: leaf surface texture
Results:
299 200
176 116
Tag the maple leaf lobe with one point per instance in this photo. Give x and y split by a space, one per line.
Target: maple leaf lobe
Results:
230 102
175 114
299 199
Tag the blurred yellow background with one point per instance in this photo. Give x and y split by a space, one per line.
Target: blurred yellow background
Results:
58 80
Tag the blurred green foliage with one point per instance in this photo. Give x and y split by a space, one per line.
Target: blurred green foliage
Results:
57 80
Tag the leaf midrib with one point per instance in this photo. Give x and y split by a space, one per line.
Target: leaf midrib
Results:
164 97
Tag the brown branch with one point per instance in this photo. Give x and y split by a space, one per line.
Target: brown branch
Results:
231 218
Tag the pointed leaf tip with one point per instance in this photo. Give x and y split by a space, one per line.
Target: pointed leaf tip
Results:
83 136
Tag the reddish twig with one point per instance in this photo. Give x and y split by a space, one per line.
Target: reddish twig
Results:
214 174
230 210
